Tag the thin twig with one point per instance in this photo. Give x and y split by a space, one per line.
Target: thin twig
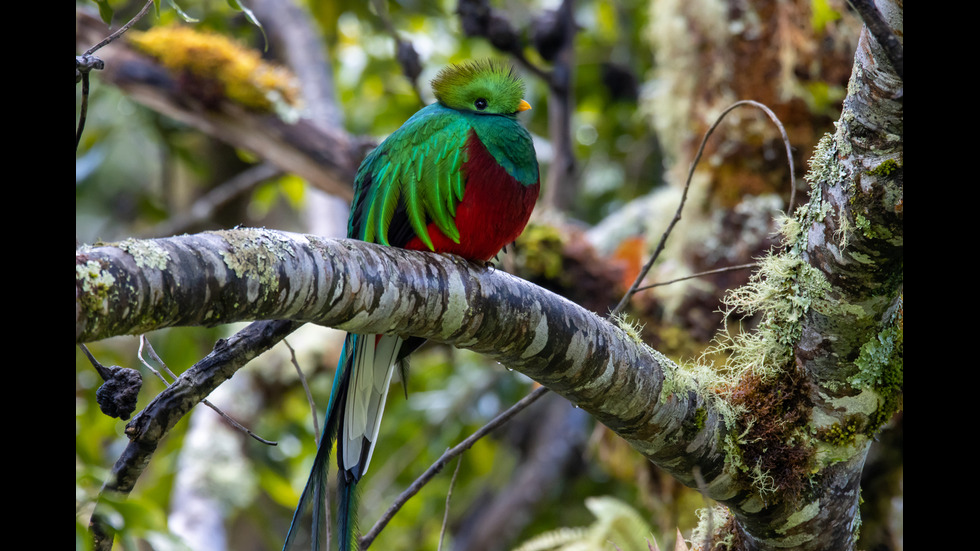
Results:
101 369
86 62
105 41
153 355
782 132
656 253
83 69
306 388
701 274
449 495
687 185
436 467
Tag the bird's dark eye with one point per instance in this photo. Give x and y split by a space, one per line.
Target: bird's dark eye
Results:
480 104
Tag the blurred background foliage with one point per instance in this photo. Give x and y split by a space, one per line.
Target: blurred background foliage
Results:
134 167
137 169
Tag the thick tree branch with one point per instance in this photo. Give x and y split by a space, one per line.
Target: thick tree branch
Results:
214 278
884 33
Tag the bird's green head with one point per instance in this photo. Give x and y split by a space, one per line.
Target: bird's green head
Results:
487 87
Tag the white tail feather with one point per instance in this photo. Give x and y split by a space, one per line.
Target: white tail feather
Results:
373 366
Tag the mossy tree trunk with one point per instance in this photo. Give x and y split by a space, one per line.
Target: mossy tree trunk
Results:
824 371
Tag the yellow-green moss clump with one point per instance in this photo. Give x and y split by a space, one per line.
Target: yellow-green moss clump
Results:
840 434
241 73
95 283
541 247
886 168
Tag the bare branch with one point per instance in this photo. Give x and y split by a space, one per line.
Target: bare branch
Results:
687 185
151 425
144 342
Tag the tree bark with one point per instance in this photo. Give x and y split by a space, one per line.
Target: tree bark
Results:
848 342
243 274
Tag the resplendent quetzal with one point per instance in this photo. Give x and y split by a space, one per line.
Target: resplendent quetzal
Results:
459 177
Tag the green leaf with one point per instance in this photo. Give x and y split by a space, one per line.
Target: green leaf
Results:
236 5
183 15
105 11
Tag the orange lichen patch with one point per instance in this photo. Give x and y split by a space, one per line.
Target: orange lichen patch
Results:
630 253
239 72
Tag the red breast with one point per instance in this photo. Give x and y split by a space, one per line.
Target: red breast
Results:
494 210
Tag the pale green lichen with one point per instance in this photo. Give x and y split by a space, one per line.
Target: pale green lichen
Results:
782 291
780 294
878 356
146 252
95 282
709 522
97 285
824 167
763 482
256 254
880 367
632 328
825 163
703 379
843 232
732 442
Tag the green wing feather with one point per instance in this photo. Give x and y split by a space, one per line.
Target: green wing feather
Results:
428 148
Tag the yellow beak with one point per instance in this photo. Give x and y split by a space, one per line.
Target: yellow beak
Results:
523 106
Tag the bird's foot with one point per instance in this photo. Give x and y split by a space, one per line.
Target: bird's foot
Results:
476 264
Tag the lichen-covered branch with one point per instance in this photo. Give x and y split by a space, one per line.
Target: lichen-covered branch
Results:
245 274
